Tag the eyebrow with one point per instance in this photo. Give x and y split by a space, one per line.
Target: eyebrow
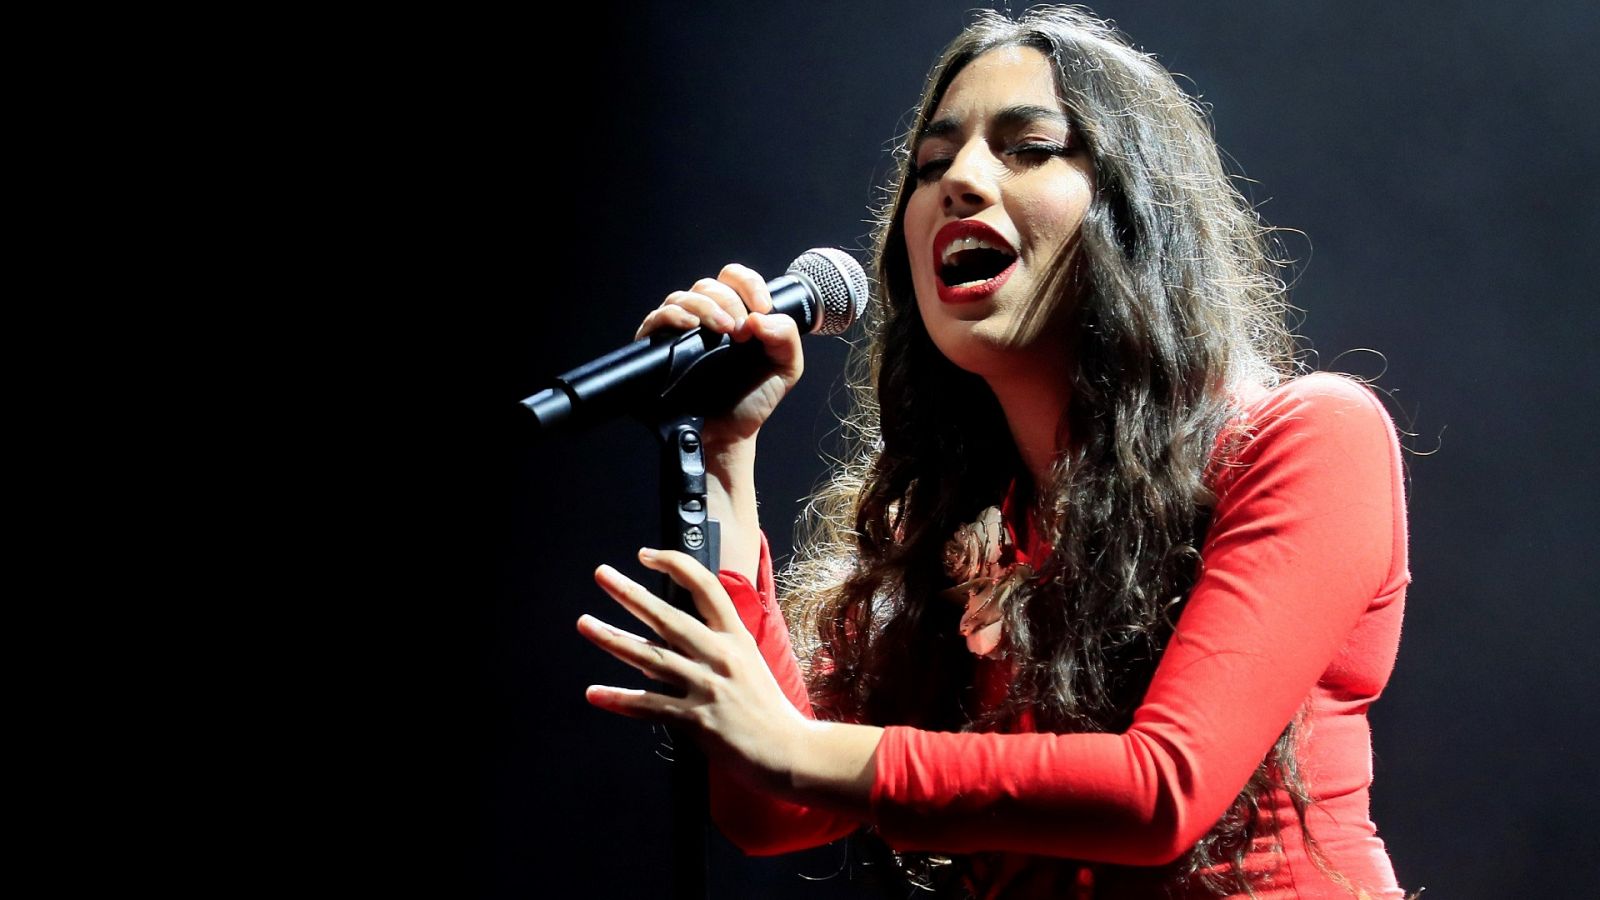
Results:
1010 117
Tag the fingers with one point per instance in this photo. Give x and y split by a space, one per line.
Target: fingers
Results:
710 598
638 704
749 285
655 661
667 316
718 304
677 628
710 305
695 640
780 338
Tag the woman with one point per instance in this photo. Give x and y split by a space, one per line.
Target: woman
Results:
1099 604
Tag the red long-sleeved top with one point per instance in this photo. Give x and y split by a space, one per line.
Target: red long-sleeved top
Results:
1297 610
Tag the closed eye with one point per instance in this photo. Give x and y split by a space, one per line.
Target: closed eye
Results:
932 169
1039 151
1033 153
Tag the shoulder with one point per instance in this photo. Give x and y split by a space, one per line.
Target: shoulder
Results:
1325 427
1323 406
1319 395
1313 466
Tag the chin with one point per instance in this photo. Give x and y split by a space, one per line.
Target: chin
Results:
973 346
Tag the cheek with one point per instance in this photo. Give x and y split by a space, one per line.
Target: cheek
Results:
914 223
1058 216
917 239
1058 211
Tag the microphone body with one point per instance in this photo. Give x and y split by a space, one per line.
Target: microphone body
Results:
700 371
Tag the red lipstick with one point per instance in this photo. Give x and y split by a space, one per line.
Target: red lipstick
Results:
983 290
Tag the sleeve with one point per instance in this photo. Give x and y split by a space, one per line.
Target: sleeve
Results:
755 822
1309 532
758 609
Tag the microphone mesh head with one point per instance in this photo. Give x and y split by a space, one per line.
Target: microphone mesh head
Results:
841 285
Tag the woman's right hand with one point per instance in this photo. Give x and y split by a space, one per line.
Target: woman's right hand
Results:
737 303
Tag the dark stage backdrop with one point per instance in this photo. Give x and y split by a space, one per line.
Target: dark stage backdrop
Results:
1436 164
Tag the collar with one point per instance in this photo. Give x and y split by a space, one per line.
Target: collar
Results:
1016 513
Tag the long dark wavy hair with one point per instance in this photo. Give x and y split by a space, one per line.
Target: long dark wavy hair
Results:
1174 302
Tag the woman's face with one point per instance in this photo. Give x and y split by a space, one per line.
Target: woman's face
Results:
1002 185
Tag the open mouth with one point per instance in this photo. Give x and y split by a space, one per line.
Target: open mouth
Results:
972 261
974 266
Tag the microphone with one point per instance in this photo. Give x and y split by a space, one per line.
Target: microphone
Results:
700 371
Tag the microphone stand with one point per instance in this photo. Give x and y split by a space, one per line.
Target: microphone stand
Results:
687 526
707 372
713 381
825 290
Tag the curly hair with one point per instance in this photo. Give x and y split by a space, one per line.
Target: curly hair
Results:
1173 302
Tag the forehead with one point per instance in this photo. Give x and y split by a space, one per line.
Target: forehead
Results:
1002 77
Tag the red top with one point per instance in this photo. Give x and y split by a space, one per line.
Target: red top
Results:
1297 609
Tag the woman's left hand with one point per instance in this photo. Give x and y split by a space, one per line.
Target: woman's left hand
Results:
730 703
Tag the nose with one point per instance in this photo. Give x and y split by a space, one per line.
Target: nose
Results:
971 181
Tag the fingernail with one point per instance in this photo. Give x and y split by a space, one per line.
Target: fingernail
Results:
646 553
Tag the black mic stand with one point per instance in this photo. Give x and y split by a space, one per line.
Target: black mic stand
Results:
687 526
707 373
711 383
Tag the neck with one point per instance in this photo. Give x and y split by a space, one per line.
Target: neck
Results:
1035 405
